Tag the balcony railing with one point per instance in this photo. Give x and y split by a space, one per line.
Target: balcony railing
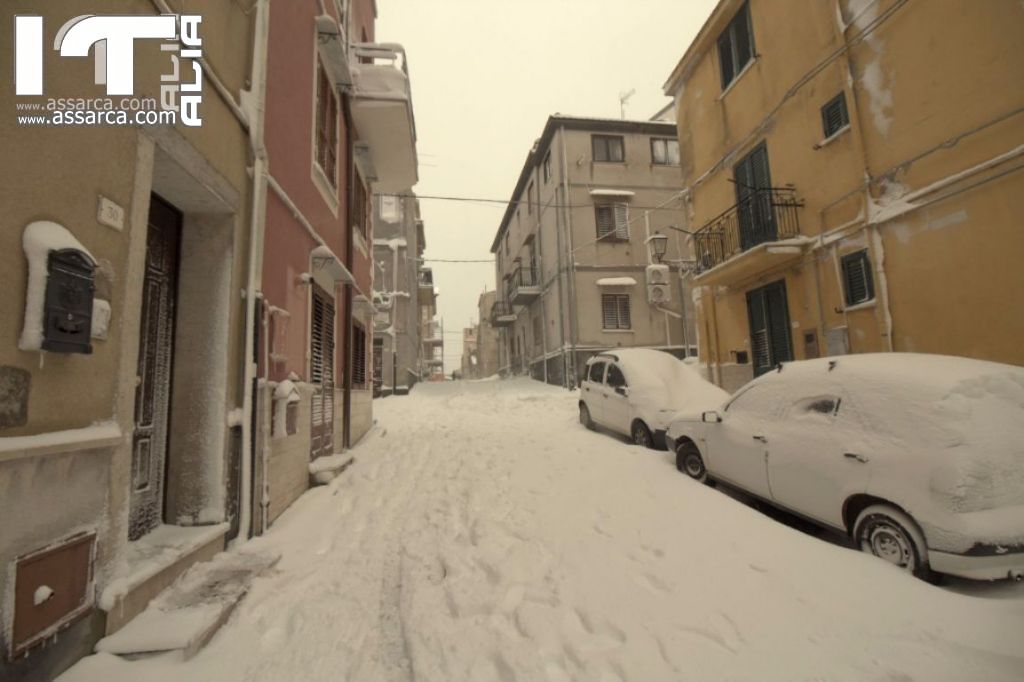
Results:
501 314
523 286
763 215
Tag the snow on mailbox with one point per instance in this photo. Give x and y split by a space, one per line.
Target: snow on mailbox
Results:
59 299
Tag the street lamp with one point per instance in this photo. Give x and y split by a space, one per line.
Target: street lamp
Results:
658 245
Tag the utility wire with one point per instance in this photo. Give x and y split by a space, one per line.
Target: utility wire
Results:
451 260
506 202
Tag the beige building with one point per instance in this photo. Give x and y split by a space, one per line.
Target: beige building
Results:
469 367
431 329
124 258
574 265
849 168
486 337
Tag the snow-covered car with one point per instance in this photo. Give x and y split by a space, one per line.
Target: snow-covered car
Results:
637 391
919 458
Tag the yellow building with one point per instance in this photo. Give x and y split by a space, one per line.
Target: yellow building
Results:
850 168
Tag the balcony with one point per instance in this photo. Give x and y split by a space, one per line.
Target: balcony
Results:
382 112
501 314
522 286
760 232
426 290
432 335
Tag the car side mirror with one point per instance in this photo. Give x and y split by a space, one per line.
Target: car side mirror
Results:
621 390
711 417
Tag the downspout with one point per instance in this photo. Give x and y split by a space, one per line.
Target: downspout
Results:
350 163
573 322
257 108
559 222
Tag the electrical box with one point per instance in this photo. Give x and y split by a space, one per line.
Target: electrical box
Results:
67 313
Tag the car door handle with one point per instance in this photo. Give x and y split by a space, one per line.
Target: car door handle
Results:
853 455
761 438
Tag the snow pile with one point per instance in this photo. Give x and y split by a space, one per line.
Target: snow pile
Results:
486 535
38 240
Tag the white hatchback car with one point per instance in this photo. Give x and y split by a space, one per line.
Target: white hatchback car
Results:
919 458
637 391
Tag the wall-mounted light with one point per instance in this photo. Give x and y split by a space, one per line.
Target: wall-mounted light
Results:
657 243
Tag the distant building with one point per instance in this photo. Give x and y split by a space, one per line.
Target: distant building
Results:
852 172
486 337
397 247
431 329
470 355
575 272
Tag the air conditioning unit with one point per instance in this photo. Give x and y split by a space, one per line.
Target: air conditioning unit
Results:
659 294
657 274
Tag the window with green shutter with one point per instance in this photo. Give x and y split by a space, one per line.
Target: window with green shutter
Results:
834 116
858 282
735 46
612 221
615 311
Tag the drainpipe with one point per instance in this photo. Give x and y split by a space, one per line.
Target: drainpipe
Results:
573 322
350 163
561 290
257 110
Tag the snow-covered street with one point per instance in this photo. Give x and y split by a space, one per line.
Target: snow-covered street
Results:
483 534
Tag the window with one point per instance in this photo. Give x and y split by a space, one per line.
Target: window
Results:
735 46
359 204
547 167
538 332
615 311
597 372
612 221
608 148
326 126
390 208
358 356
834 116
615 377
664 151
529 198
858 283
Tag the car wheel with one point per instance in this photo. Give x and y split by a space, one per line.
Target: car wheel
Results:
889 534
689 462
585 417
642 435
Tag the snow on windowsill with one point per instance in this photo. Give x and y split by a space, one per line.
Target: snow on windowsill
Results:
861 306
616 282
152 553
831 138
741 74
99 435
618 331
612 193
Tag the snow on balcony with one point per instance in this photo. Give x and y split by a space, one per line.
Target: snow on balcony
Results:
383 115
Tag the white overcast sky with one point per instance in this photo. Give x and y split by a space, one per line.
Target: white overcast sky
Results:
486 74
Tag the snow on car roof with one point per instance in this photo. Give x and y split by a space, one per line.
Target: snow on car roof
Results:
669 382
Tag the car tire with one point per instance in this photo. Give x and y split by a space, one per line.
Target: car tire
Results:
890 534
585 417
689 462
642 435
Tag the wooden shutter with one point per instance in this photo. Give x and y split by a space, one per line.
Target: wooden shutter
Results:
725 58
778 323
622 221
857 278
605 220
769 327
623 309
609 311
834 115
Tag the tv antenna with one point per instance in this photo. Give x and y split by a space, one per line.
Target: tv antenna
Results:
623 98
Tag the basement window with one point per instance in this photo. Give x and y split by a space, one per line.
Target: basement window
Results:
858 283
834 116
736 46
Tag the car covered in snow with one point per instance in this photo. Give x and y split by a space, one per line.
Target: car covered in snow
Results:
919 458
637 391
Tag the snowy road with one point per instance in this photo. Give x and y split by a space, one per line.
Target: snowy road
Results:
482 534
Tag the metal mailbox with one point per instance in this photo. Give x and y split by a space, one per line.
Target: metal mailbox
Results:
67 317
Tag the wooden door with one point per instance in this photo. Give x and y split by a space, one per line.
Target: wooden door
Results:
153 383
768 313
322 373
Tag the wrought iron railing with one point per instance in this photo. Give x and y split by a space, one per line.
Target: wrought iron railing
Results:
500 309
763 215
521 277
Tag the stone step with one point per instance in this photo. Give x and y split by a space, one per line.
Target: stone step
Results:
185 616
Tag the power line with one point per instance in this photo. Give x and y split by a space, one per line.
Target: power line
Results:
451 260
506 202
